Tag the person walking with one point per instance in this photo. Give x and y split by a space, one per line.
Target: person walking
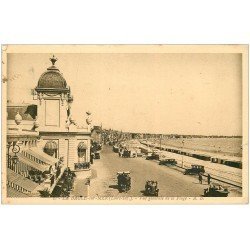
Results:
92 158
208 179
200 178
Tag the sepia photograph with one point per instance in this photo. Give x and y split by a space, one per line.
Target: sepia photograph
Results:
124 124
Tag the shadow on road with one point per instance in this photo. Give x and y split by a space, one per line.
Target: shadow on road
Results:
143 192
200 183
113 186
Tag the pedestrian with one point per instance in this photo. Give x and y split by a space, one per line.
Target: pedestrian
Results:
91 158
208 179
200 178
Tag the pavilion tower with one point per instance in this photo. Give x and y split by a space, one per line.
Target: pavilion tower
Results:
60 136
54 99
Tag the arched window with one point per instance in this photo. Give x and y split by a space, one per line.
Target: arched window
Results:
51 148
81 150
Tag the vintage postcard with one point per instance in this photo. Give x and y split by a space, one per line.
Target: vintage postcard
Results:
124 124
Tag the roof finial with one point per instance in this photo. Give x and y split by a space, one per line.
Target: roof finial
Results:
53 60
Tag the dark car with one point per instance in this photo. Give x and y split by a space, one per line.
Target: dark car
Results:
153 157
123 181
97 155
216 191
115 149
168 162
126 153
195 170
151 188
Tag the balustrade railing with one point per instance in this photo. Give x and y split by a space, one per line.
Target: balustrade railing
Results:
82 165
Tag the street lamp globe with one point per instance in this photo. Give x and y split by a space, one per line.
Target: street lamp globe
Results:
18 118
36 124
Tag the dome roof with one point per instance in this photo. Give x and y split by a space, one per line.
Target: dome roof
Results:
52 78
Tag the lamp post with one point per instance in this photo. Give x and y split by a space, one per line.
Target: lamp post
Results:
160 144
12 161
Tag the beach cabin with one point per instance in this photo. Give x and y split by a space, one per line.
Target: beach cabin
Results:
232 163
202 157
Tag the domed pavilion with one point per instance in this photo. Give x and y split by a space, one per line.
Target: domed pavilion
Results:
42 138
52 80
60 135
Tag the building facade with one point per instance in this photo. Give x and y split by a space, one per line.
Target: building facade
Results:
44 143
59 133
29 169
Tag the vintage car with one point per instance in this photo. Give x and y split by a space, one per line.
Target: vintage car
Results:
195 169
216 190
153 157
133 154
126 153
151 188
168 162
115 148
129 153
123 181
97 155
139 154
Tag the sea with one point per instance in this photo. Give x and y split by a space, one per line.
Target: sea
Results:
225 146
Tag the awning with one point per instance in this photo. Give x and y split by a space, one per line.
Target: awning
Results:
38 153
50 145
21 181
39 166
50 148
82 146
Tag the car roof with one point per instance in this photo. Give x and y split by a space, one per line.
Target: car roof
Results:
124 172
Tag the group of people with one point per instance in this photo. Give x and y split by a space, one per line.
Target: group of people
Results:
201 178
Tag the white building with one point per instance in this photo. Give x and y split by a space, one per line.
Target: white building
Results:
42 139
60 135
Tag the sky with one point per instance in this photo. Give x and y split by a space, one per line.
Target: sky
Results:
149 93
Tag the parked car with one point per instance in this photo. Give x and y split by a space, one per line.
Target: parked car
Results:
195 170
115 149
139 154
168 162
216 191
153 157
97 155
126 153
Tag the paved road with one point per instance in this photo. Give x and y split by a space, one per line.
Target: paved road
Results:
171 182
223 172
